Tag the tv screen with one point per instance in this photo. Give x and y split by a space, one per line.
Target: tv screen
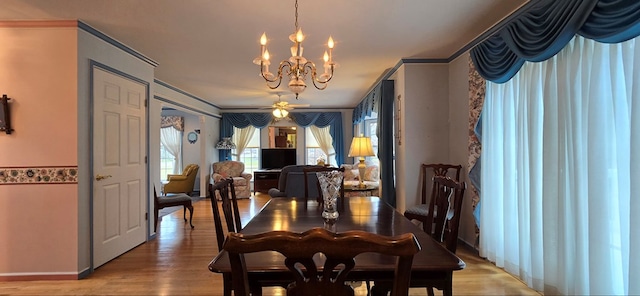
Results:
277 158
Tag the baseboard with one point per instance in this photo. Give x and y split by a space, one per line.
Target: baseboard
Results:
53 276
468 247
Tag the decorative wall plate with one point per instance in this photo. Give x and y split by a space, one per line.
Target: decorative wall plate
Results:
192 137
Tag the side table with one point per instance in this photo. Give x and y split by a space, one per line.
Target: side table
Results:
359 191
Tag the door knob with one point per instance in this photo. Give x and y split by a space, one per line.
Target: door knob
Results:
100 177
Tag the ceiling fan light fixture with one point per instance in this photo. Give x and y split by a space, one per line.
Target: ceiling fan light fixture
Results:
296 67
276 113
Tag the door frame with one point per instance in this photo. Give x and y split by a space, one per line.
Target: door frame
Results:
92 65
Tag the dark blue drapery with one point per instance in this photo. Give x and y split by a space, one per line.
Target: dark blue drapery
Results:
386 141
546 26
304 119
381 99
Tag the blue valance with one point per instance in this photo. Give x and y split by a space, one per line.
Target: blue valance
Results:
546 26
366 106
304 119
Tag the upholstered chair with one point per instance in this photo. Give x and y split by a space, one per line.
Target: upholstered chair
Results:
291 182
182 183
232 169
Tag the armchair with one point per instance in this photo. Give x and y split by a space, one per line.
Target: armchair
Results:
232 169
182 183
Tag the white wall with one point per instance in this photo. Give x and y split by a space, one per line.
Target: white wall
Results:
92 48
424 110
205 116
434 125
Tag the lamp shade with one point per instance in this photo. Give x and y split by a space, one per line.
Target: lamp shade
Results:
361 147
225 144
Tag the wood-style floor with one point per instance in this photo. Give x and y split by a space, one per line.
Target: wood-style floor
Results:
175 263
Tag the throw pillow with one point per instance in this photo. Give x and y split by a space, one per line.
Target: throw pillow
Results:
371 174
351 175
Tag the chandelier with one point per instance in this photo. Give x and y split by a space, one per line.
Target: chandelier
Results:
296 67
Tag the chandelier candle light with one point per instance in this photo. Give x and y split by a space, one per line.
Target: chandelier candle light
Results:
297 67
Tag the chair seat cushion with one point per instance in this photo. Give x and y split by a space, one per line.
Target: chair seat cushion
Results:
174 198
421 209
239 181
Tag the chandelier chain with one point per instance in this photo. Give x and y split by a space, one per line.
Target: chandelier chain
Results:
296 16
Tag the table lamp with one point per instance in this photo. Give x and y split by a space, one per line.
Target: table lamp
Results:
225 144
361 147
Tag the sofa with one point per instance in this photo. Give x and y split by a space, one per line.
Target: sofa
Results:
291 183
371 176
232 169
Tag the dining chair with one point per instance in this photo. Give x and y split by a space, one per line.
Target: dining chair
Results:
172 200
425 212
310 177
339 250
449 194
227 192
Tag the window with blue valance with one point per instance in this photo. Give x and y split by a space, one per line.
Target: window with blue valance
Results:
544 28
303 119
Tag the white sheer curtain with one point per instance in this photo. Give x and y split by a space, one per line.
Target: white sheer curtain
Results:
325 141
561 171
171 139
241 137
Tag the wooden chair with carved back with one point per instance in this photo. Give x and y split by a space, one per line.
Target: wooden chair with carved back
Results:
339 250
449 194
229 206
425 212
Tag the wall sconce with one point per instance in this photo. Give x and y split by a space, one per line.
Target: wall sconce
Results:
5 118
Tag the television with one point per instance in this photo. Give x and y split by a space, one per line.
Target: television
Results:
277 158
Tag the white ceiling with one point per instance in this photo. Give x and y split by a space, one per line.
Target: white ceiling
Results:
206 47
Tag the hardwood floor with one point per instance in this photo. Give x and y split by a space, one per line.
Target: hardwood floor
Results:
175 263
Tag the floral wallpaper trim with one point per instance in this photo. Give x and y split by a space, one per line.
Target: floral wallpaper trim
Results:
38 175
176 121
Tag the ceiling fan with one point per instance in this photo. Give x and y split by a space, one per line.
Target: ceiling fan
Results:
281 108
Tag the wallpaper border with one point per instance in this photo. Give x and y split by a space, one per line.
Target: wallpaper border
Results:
39 175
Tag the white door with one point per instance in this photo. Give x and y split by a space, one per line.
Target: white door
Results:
119 168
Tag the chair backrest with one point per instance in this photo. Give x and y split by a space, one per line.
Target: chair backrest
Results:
428 171
449 195
311 180
339 250
291 181
231 168
190 169
229 208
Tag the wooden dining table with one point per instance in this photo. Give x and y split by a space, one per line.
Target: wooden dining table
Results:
433 266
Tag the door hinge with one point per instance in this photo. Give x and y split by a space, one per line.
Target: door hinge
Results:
146 216
145 159
145 102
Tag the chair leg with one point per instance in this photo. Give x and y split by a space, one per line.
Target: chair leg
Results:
190 216
226 284
184 212
430 291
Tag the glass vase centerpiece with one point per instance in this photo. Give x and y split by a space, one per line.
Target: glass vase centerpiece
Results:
330 183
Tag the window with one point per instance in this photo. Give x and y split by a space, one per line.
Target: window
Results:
251 154
167 163
371 130
312 148
318 142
